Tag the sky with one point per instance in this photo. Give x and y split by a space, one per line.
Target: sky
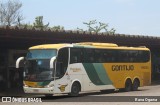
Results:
135 17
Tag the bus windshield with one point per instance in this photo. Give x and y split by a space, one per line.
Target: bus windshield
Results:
41 54
37 65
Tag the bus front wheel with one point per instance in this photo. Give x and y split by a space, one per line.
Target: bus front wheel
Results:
75 89
48 95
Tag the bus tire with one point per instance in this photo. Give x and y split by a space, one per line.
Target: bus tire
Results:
128 85
76 87
48 95
107 91
135 85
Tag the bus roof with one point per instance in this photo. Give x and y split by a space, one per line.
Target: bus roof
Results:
49 46
98 44
109 46
87 45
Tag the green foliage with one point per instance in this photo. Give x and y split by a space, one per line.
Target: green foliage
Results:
97 27
57 28
39 23
27 26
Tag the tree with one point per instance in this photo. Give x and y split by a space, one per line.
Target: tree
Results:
39 23
10 13
94 26
57 28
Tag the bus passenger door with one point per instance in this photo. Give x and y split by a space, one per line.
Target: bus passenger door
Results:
61 81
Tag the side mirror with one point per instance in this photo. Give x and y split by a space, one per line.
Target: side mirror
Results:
52 62
18 61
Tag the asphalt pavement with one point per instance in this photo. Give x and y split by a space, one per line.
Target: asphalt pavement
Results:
147 95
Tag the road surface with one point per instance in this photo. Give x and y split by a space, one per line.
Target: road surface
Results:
144 96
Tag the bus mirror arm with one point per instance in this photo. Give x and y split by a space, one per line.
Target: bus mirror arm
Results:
18 62
52 62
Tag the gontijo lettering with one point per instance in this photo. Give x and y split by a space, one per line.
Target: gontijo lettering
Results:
122 67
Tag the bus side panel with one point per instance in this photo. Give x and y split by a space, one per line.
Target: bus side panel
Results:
119 72
97 74
76 72
92 76
146 74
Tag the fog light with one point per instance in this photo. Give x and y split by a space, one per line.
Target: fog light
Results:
47 86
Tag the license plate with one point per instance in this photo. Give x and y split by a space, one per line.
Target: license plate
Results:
35 90
32 84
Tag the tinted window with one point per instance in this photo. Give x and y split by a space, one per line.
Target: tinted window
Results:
76 55
108 55
89 55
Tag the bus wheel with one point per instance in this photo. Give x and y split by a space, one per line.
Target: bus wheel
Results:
75 89
135 85
107 91
128 85
48 95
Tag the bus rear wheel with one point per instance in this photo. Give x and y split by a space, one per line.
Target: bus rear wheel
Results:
75 89
128 85
135 85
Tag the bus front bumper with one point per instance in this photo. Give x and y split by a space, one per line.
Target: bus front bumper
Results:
48 90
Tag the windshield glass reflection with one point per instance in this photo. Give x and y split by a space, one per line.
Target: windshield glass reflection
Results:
37 65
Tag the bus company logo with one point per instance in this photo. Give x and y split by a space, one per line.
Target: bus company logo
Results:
75 69
62 87
122 67
6 99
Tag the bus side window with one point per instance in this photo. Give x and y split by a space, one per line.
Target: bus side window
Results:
76 55
144 55
89 56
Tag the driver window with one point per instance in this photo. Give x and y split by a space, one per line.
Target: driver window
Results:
62 62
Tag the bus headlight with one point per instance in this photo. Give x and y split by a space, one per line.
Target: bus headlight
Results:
47 86
25 85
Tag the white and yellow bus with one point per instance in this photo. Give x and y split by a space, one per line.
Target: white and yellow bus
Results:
82 67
